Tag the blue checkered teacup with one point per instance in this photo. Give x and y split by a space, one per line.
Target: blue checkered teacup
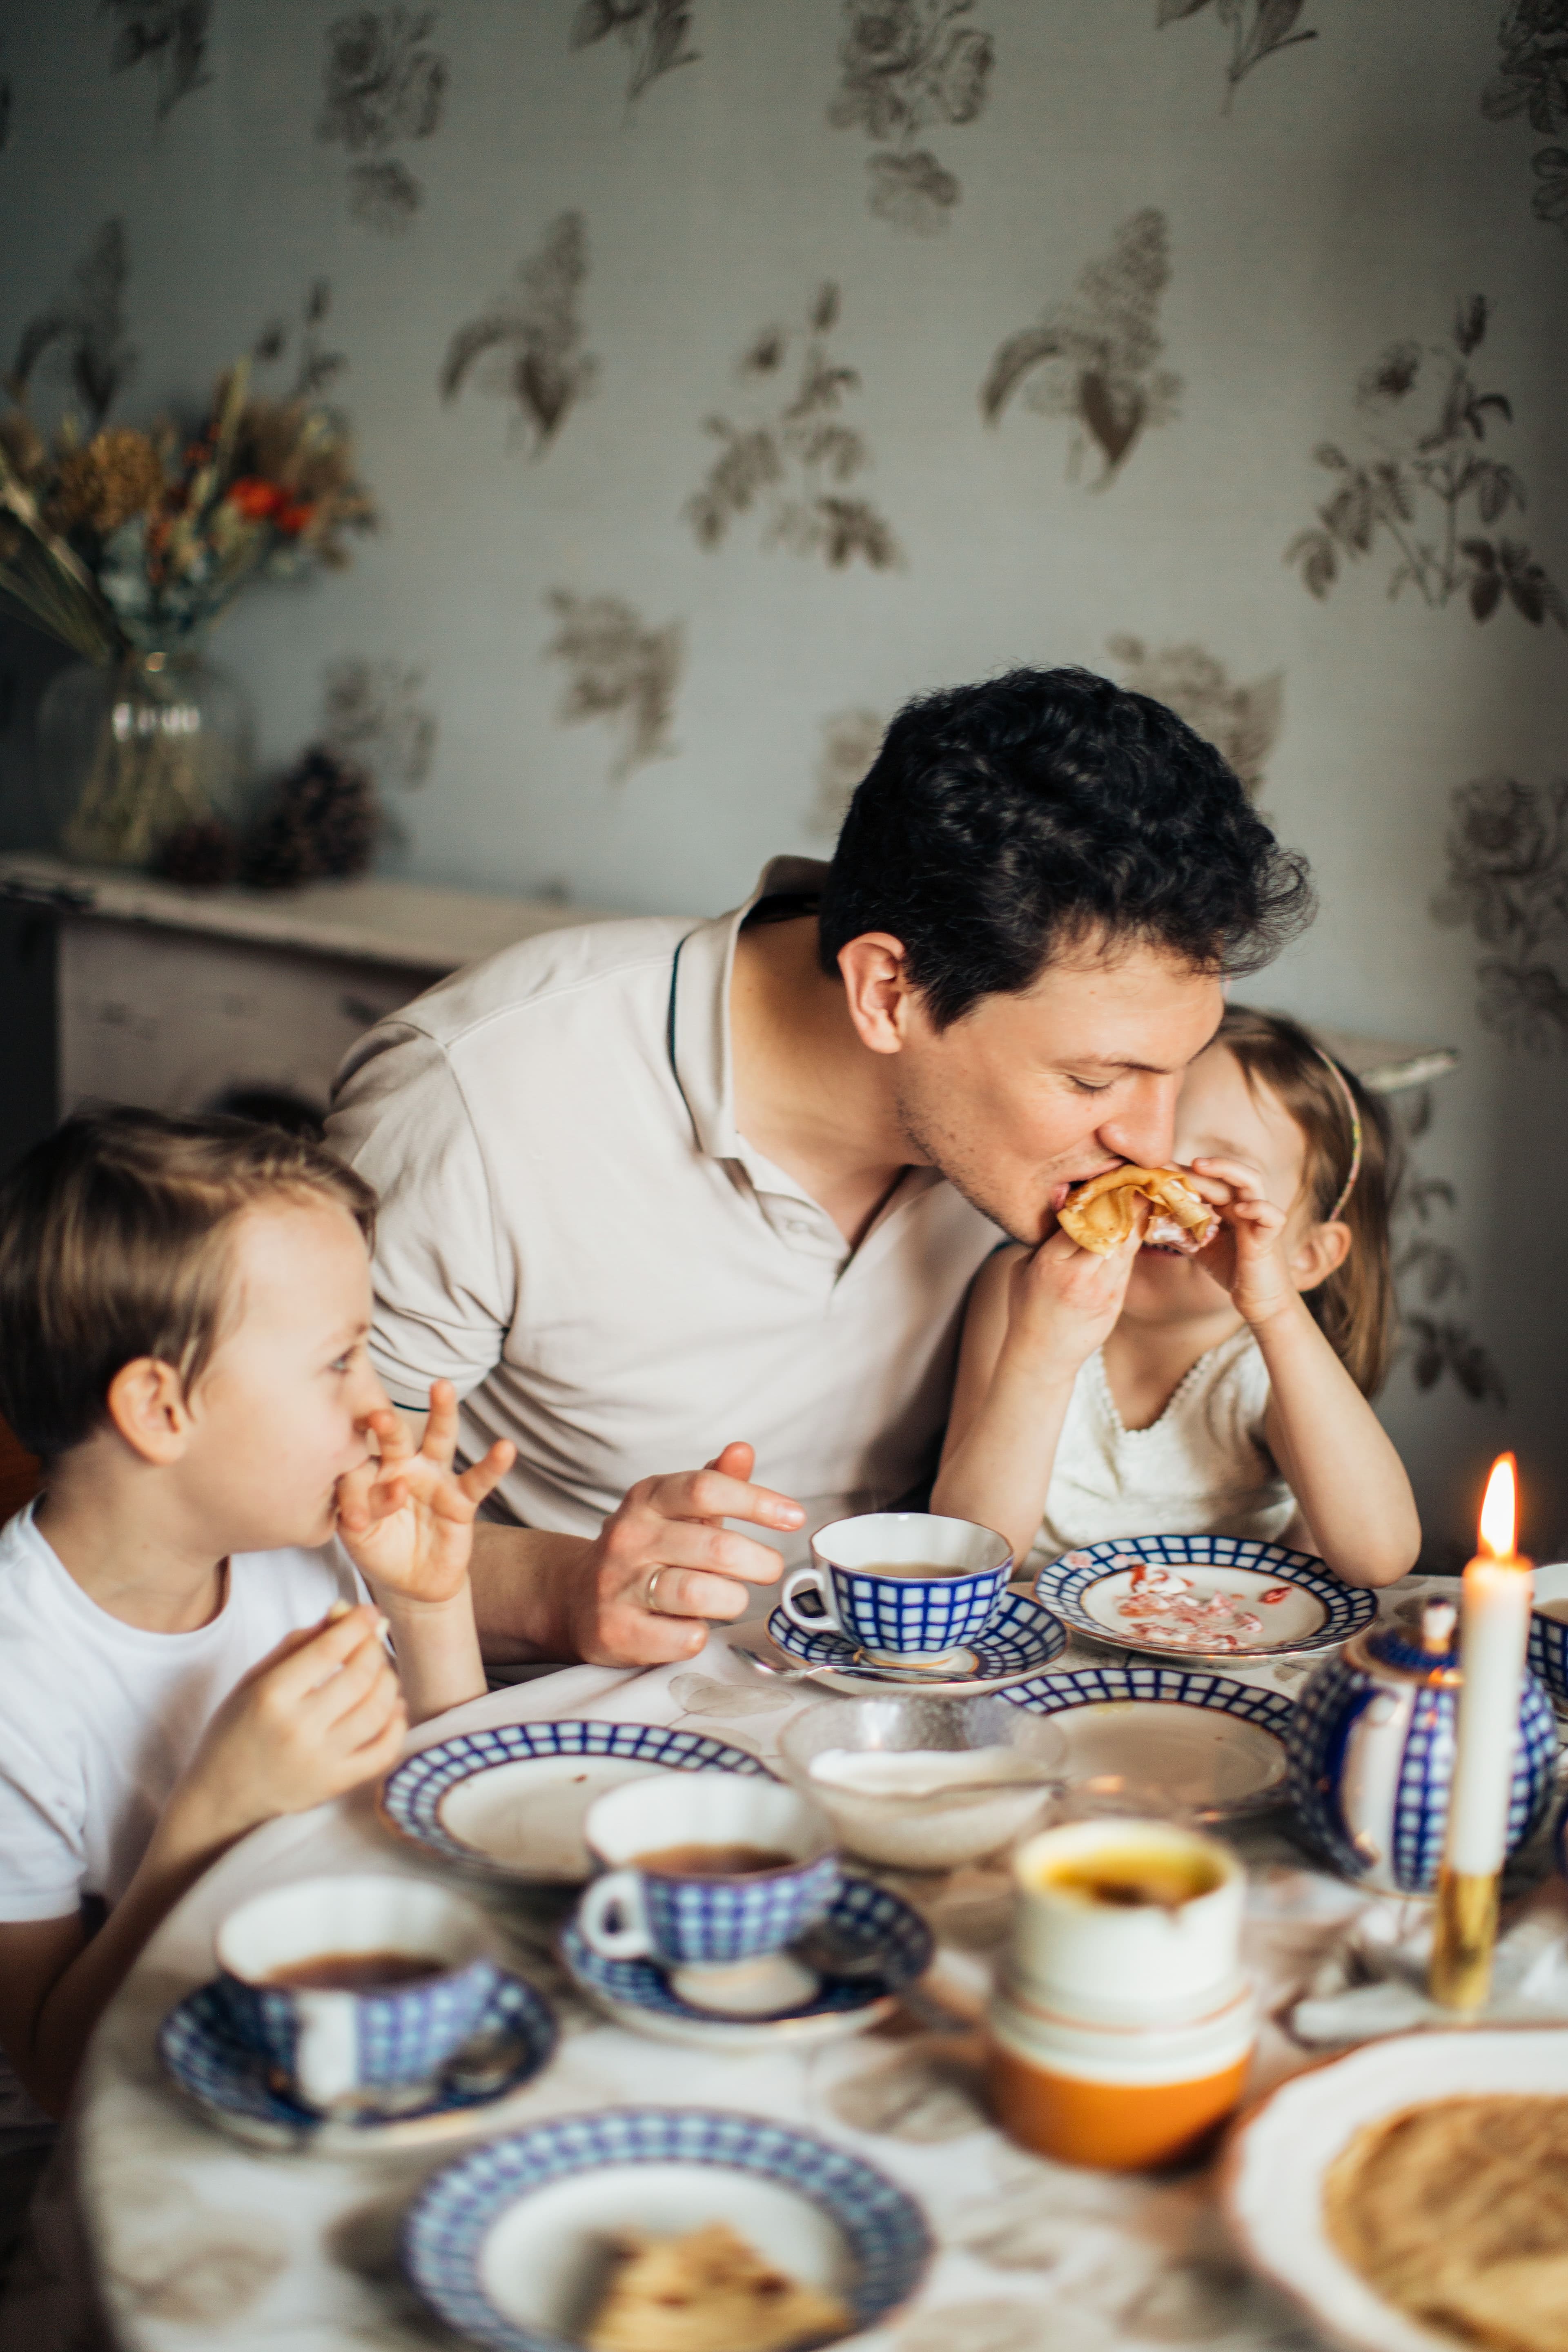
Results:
359 1989
703 1869
906 1587
1549 1630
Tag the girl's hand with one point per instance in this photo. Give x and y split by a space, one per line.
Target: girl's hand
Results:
1246 1256
318 1715
405 1520
1062 1301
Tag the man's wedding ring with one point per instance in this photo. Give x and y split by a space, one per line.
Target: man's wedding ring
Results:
650 1602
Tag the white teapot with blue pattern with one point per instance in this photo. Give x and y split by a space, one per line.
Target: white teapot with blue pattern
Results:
1370 1744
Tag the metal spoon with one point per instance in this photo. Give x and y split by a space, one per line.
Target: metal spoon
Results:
778 1674
893 1674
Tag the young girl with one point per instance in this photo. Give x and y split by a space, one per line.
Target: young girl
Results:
1149 1392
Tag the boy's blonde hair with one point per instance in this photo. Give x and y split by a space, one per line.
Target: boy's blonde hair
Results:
1355 1305
115 1239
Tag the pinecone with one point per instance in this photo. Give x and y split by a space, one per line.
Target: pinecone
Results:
324 823
203 854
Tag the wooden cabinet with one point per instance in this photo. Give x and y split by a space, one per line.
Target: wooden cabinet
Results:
121 989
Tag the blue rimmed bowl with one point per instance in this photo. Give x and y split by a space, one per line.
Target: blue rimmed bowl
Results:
1298 1604
510 1801
507 2244
1203 1743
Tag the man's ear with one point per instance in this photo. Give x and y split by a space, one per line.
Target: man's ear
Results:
1322 1249
147 1405
878 991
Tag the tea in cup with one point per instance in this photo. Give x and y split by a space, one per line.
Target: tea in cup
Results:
1122 2026
704 1869
906 1587
360 1990
1124 1919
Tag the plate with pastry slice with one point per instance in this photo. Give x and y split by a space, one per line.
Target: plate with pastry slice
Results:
663 2230
1158 1203
1200 1596
1413 2195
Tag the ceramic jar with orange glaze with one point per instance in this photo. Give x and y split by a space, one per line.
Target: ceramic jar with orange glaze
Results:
1121 2027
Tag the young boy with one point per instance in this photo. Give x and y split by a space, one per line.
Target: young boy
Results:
186 1648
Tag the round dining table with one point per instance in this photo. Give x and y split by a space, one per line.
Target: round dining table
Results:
197 2240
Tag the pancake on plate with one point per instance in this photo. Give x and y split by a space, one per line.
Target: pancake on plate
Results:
1101 1214
1456 2212
707 2292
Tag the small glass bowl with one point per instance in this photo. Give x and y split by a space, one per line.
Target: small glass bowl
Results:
925 1825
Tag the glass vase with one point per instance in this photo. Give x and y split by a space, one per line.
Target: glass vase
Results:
131 755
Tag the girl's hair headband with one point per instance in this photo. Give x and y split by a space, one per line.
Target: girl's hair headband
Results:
1343 1084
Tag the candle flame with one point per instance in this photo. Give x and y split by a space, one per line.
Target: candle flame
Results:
1498 1510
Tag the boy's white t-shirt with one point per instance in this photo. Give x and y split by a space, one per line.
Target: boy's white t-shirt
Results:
97 1718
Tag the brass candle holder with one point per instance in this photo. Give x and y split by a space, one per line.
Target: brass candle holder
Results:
1464 1937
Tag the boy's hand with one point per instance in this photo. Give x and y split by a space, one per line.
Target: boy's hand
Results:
318 1715
406 1521
1246 1256
1062 1301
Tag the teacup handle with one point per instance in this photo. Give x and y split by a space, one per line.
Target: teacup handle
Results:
625 1940
811 1579
326 2047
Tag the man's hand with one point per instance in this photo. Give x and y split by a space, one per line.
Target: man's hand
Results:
664 1567
318 1715
405 1520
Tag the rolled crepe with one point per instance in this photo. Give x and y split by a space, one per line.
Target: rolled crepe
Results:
1101 1213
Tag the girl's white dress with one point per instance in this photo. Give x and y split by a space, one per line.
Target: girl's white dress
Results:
1203 1468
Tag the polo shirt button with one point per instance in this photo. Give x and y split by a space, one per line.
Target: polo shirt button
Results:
797 1225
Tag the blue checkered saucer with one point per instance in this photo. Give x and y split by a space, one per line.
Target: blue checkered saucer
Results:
1084 1587
1021 1639
872 1928
1247 1771
207 2046
566 1764
510 2279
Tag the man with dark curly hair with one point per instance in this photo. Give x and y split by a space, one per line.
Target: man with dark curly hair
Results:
649 1182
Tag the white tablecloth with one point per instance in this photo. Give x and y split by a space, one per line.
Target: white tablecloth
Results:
198 2241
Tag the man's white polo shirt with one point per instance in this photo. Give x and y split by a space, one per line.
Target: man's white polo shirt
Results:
576 1234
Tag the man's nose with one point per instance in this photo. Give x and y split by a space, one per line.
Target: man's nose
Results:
1144 1129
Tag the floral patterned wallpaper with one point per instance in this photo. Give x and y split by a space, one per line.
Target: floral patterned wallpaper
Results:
1217 344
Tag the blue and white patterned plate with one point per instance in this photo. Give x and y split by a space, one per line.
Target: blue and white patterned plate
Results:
510 1801
866 1922
1210 1745
506 2243
207 2047
1300 1605
1021 1639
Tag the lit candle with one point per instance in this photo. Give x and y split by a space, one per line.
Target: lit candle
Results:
1495 1627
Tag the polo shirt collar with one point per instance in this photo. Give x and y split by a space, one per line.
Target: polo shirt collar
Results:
700 1009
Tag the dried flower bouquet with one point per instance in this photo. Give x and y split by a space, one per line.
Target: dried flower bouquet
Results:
127 545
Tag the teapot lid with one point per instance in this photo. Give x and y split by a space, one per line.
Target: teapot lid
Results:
1436 1652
